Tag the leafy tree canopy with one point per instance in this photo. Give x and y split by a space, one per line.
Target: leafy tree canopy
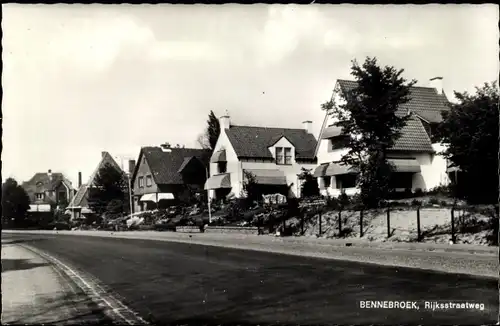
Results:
369 114
208 140
309 186
15 202
470 131
110 185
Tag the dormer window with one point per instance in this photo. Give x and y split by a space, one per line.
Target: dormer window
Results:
288 155
283 155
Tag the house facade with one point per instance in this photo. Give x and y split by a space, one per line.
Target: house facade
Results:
48 191
79 206
415 154
273 156
163 175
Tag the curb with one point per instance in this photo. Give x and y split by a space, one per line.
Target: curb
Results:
111 306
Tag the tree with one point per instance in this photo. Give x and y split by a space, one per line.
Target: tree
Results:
110 185
470 131
309 187
209 139
15 202
369 115
251 188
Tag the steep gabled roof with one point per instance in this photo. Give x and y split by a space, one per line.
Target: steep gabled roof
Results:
413 137
106 158
425 102
253 142
80 197
165 165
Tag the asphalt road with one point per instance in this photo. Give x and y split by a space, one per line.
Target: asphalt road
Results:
179 283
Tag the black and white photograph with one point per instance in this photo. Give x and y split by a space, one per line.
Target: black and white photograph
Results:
250 164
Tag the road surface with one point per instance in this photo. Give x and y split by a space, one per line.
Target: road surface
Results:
179 283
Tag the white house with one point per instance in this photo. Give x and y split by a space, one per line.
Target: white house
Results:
415 154
274 156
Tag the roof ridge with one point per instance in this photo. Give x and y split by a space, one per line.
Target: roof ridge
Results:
414 86
281 128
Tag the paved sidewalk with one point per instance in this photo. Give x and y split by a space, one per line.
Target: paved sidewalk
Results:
35 292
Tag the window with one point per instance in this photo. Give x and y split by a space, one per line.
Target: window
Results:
345 181
39 196
222 167
288 155
62 195
149 181
283 155
339 142
141 182
327 181
279 155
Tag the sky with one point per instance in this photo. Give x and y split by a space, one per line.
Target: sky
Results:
81 79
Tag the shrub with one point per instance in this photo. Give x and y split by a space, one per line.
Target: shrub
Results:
416 202
444 203
332 202
234 209
440 190
434 201
492 237
418 192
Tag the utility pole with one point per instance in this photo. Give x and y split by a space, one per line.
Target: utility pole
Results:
208 198
129 180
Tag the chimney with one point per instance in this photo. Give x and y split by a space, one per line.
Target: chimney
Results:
103 154
49 173
437 83
307 126
166 147
131 166
225 121
79 179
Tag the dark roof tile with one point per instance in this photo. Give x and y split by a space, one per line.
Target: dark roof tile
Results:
165 165
253 142
425 101
413 138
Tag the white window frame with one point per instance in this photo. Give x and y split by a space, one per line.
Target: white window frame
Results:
149 181
280 159
140 182
285 156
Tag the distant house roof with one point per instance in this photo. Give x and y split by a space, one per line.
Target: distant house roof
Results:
80 198
43 181
166 166
253 142
425 101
